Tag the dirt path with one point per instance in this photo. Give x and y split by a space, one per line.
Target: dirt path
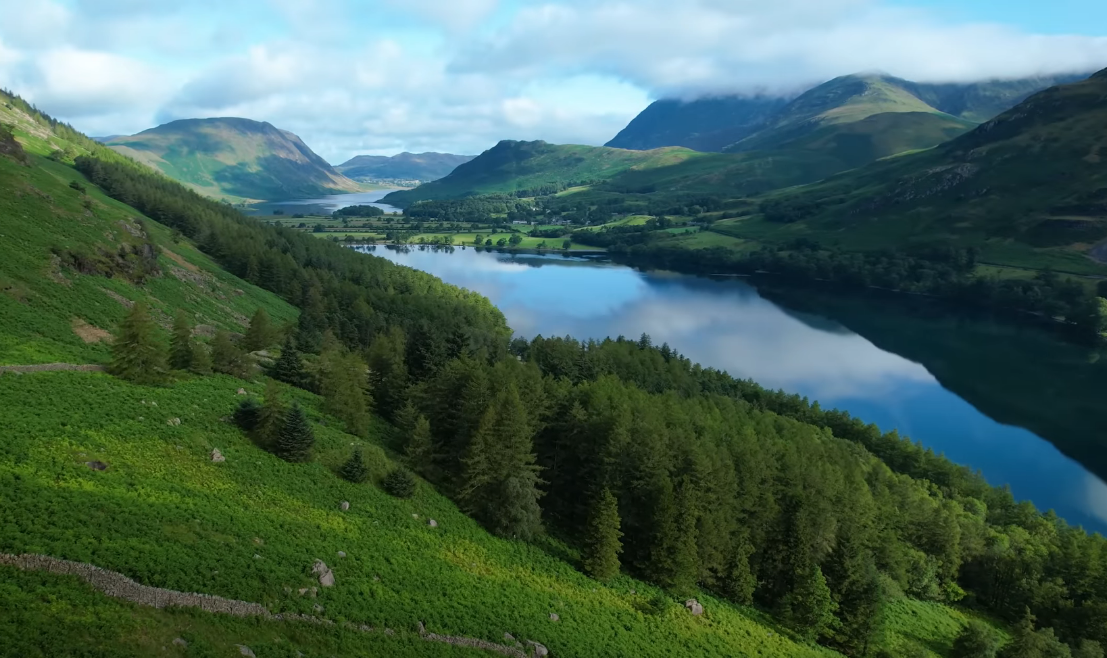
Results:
116 585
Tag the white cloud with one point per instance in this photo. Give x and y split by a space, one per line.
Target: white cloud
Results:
35 24
711 46
78 83
454 15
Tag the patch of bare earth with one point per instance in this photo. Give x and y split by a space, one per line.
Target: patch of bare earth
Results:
117 297
88 333
179 259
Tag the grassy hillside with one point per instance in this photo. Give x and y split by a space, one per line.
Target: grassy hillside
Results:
235 159
405 166
1029 182
706 124
511 166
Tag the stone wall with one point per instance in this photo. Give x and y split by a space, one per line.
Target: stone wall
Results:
51 367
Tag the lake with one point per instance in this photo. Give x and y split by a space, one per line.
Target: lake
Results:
324 205
984 393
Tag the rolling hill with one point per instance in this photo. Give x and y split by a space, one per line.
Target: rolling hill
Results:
760 122
405 166
512 166
1032 177
235 159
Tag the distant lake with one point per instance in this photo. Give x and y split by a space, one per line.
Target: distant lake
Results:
984 393
324 205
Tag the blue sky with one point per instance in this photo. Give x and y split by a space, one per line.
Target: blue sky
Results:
384 76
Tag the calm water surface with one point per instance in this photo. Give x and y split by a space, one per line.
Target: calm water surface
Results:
729 325
325 204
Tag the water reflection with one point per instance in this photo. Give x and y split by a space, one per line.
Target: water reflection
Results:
324 205
879 362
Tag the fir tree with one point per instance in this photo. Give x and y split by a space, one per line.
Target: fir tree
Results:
855 582
246 415
420 446
354 469
289 367
388 375
296 439
226 357
260 334
181 347
270 418
976 640
400 483
344 386
137 354
738 582
201 359
601 543
673 556
809 608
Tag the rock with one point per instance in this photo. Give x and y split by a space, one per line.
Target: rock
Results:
241 391
388 631
317 608
376 579
422 629
173 422
287 590
633 591
217 456
365 628
345 505
256 556
245 651
180 642
414 515
432 523
538 650
509 637
97 466
554 617
303 590
341 553
326 576
258 541
314 592
694 607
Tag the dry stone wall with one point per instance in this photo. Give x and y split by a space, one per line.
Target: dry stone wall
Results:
51 367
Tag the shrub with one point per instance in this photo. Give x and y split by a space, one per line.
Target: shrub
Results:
247 414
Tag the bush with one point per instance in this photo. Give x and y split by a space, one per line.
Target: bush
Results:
247 414
400 483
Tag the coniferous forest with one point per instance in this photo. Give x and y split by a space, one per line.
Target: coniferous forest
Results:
645 462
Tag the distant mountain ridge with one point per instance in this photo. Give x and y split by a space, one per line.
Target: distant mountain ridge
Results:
758 123
404 166
235 159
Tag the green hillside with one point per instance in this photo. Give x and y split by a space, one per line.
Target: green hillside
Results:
512 166
1029 181
235 159
706 124
404 166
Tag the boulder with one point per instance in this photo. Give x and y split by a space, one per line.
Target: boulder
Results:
180 642
345 505
241 391
341 553
97 466
694 607
326 576
245 651
217 456
173 422
432 523
509 637
538 650
554 617
317 608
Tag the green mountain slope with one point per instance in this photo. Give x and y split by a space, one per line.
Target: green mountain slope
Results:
511 166
707 124
405 166
235 159
1032 178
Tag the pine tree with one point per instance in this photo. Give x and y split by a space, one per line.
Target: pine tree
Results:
1088 649
976 640
137 354
296 439
260 334
809 608
354 469
738 582
226 357
420 447
344 386
388 375
601 543
674 562
270 418
181 347
289 367
500 478
400 483
246 415
201 359
855 583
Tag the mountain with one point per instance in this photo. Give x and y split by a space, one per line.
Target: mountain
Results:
235 159
708 124
405 166
1032 176
511 166
747 123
